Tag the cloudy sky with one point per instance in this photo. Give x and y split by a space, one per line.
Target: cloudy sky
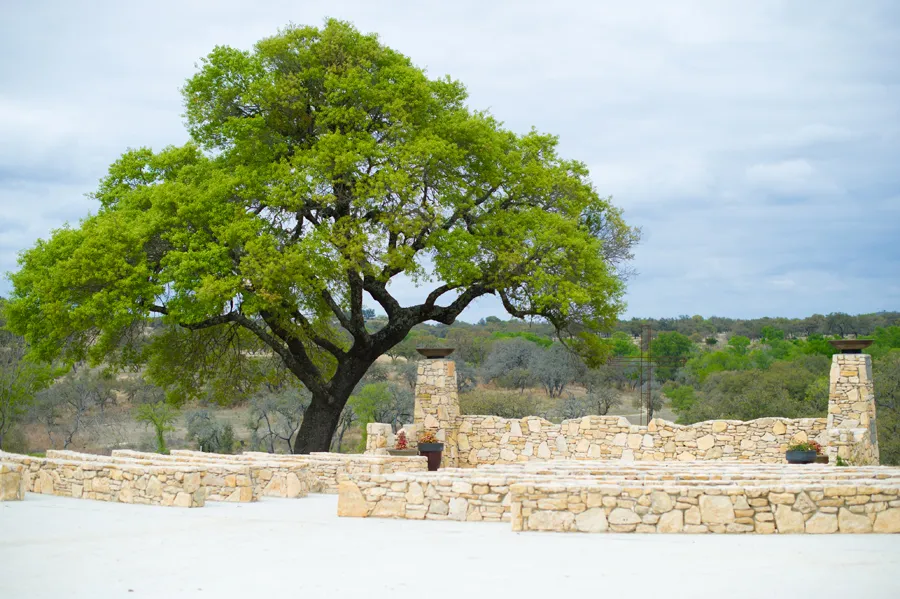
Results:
756 143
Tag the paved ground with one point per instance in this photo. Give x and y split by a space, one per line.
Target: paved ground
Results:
56 547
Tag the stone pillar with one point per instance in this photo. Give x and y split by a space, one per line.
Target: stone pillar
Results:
437 405
379 438
851 410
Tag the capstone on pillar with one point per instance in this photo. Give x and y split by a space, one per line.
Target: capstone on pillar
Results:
437 405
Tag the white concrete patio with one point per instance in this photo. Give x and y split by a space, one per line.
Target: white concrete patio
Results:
58 547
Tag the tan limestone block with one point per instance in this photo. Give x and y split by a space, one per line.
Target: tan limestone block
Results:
671 522
799 437
778 498
182 499
705 442
764 528
458 509
719 426
716 509
692 515
660 502
621 516
822 524
351 503
544 451
853 523
779 428
557 521
387 508
695 529
888 521
787 520
592 520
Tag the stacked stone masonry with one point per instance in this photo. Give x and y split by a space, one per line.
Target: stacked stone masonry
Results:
493 440
178 486
271 478
230 483
851 410
471 440
328 469
618 497
12 481
437 405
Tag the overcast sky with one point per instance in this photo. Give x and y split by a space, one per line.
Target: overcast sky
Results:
756 143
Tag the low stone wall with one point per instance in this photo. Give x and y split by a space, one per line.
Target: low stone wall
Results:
449 495
579 506
178 486
494 440
328 469
222 482
849 431
12 482
660 497
271 478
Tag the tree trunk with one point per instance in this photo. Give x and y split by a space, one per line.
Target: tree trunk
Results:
319 423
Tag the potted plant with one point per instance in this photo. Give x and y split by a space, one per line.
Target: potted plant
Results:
401 446
802 453
431 449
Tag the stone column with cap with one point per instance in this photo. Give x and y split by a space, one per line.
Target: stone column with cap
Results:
851 410
437 405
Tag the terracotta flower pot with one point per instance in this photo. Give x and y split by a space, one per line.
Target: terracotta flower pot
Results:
433 452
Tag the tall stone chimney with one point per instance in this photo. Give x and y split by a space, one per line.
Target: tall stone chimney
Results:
437 404
851 410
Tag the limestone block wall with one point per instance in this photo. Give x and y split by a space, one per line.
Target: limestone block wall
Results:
613 496
471 440
437 405
327 469
851 410
493 440
766 509
177 486
222 482
12 482
270 477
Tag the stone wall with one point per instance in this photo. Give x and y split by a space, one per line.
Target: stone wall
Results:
327 469
222 482
852 435
177 486
12 482
470 440
271 478
782 508
614 496
493 440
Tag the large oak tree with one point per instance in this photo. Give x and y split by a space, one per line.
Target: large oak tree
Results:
322 165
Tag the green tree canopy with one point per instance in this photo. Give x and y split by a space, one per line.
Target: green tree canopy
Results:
322 165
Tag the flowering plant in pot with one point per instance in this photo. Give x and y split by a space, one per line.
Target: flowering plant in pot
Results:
431 448
401 445
802 453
